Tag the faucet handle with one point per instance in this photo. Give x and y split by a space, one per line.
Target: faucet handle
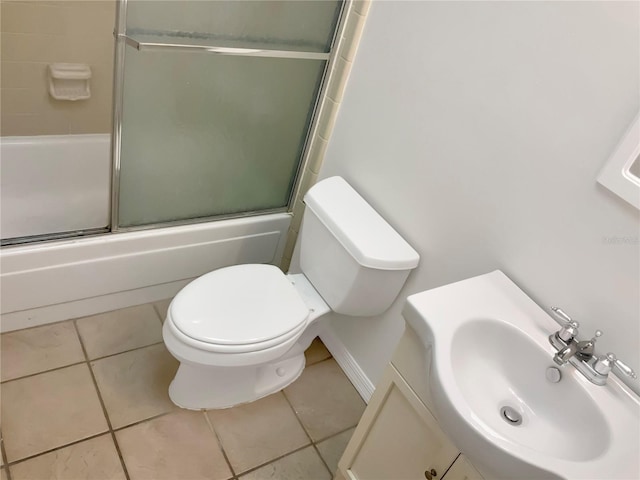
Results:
605 363
558 312
570 328
624 368
595 336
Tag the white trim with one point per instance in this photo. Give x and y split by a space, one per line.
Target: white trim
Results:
88 306
616 174
77 277
352 370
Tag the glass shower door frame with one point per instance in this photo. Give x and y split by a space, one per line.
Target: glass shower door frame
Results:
122 41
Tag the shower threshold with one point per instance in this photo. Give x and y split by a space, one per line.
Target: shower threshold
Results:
5 242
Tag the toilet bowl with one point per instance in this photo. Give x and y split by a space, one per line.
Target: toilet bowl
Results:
240 332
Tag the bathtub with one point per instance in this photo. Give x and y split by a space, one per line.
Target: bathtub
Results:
54 184
52 281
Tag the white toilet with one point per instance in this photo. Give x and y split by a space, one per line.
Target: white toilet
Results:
240 332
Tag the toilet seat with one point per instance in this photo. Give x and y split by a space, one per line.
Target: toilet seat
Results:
238 309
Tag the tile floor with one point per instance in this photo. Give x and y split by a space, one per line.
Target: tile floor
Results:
87 399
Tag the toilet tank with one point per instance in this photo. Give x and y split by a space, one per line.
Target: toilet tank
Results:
356 261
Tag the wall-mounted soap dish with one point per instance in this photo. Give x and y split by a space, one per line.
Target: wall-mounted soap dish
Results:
69 81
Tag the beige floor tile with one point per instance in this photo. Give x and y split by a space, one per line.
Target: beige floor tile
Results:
134 385
332 448
161 307
325 400
302 465
316 352
35 350
176 446
94 459
49 410
258 432
3 474
119 331
339 476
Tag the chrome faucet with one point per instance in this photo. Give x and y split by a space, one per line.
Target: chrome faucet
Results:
584 349
581 354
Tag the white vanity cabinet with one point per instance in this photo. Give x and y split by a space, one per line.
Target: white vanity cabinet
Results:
462 470
398 438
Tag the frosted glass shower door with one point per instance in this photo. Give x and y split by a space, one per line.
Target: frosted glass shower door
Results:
217 101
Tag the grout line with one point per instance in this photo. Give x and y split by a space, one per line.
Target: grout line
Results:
73 319
155 309
5 462
111 430
118 429
105 432
82 361
125 351
315 447
319 361
75 442
219 440
336 434
314 443
89 360
104 407
38 326
77 332
307 433
44 371
296 415
273 460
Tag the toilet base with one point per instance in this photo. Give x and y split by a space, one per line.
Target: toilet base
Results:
197 387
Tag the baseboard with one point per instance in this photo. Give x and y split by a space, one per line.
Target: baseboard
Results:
88 306
352 370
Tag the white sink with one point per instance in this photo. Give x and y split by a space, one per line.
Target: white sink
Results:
489 350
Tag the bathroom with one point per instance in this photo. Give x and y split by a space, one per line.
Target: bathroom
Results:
477 130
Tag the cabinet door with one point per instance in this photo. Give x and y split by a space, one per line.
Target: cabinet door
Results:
397 438
462 470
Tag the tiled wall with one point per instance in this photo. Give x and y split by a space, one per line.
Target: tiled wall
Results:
337 80
36 33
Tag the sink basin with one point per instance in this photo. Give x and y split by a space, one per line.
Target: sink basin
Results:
489 356
489 376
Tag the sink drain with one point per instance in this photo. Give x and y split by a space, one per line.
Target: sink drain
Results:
511 416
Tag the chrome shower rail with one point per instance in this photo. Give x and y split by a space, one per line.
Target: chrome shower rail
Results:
217 50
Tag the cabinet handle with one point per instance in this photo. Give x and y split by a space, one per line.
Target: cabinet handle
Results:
429 474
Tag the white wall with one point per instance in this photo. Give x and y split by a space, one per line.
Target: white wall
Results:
478 130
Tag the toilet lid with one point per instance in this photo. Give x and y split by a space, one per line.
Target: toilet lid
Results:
239 305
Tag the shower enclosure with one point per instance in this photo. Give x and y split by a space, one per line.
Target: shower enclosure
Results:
227 140
213 102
